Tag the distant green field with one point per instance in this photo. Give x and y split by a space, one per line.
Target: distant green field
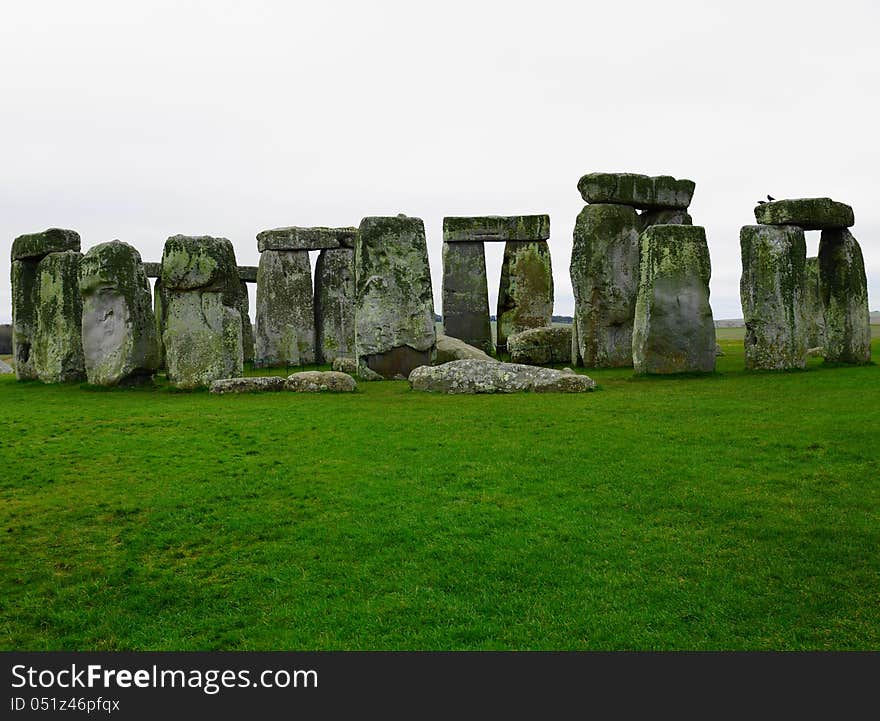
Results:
733 511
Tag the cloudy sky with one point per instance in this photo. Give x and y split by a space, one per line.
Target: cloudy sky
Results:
141 120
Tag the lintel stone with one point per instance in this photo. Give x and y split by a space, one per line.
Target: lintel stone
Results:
295 238
806 213
638 191
39 245
496 228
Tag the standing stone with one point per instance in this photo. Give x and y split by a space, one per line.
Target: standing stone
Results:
466 294
394 307
673 331
247 329
203 336
844 290
285 310
160 312
525 294
814 313
772 294
118 325
605 280
334 304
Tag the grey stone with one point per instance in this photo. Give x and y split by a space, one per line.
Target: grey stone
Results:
673 330
160 313
25 297
541 346
334 304
664 217
118 326
816 352
35 246
481 376
814 313
264 384
153 270
806 213
321 382
525 294
843 287
5 339
466 294
295 238
248 340
6 369
450 349
496 228
247 273
345 365
605 279
394 307
285 310
639 191
772 295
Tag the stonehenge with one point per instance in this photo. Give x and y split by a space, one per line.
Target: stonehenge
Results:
814 313
480 376
334 302
541 346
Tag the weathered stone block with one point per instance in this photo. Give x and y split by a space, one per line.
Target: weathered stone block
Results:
772 295
638 191
247 273
814 313
605 279
466 294
525 294
38 245
153 270
264 384
673 329
496 228
295 238
6 339
482 376
843 287
394 307
320 382
806 213
285 310
334 304
450 349
160 312
541 346
118 325
664 217
24 316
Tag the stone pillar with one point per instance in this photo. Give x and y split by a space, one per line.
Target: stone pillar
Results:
843 287
673 330
394 307
772 295
118 325
814 313
466 294
203 335
247 329
525 294
160 312
334 304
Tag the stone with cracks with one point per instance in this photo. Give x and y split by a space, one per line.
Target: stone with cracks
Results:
334 304
264 384
320 382
285 310
673 329
466 293
605 279
843 287
118 325
525 294
806 213
541 346
480 376
450 349
496 228
772 294
394 305
814 313
295 238
638 191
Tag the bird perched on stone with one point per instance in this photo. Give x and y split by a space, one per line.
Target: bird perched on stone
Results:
770 198
761 202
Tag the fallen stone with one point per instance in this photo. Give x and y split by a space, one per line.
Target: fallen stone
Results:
118 326
806 213
496 228
525 294
466 294
816 352
320 382
638 191
5 368
345 365
673 329
285 334
38 245
334 304
541 346
295 238
814 313
480 376
771 291
263 384
450 349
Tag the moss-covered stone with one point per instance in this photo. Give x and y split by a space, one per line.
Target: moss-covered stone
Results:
772 294
247 273
466 294
673 329
664 217
35 246
295 238
605 279
394 306
153 270
496 228
814 313
806 213
201 263
843 288
24 316
541 346
334 304
285 310
118 325
638 191
525 294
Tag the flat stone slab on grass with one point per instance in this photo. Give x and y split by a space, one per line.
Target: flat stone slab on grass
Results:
39 245
320 382
638 191
480 376
806 213
265 384
541 346
295 238
496 228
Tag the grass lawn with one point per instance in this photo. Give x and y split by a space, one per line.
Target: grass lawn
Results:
733 511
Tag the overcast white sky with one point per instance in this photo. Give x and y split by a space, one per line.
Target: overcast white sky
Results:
140 120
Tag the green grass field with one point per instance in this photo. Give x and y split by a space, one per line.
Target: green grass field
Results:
734 511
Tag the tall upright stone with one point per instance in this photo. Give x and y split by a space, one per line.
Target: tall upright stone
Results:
160 313
814 313
248 340
203 334
843 287
118 325
285 310
605 279
466 294
673 331
394 307
334 304
525 294
772 294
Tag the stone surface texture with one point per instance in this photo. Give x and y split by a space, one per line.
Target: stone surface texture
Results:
466 294
541 346
334 304
6 369
295 238
285 334
806 213
35 246
496 228
450 349
320 382
525 293
664 217
264 384
480 376
638 191
814 313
